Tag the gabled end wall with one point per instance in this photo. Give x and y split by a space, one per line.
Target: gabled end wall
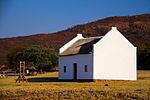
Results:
114 58
67 45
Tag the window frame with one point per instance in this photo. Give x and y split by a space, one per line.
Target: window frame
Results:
65 69
85 68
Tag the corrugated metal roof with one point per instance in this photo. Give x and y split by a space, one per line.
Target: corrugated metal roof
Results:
82 46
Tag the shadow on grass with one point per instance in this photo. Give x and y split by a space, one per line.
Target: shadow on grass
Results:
53 79
43 79
143 78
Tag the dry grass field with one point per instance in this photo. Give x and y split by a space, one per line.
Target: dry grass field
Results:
46 87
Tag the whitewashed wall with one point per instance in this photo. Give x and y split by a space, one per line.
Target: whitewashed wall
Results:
114 58
81 60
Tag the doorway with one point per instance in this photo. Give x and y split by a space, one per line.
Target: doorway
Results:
75 71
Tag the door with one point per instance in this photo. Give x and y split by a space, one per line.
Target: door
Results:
75 71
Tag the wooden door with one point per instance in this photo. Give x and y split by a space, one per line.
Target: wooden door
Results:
75 71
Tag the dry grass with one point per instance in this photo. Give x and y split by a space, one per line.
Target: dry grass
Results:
45 86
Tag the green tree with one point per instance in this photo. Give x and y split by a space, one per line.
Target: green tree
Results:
12 57
143 56
35 57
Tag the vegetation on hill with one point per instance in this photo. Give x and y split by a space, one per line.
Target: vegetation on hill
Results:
135 28
143 56
36 57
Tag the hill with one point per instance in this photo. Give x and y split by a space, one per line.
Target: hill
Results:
135 28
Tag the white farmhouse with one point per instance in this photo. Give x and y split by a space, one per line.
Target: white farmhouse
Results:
109 57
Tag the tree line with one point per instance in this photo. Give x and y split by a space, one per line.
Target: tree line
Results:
45 59
36 58
143 56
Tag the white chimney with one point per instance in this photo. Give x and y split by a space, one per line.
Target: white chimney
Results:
79 35
114 28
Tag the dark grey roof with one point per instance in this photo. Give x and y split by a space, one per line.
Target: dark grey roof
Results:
82 46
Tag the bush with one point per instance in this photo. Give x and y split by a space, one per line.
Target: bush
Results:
35 57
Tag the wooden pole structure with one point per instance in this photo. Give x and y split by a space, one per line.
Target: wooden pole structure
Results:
20 69
23 68
21 76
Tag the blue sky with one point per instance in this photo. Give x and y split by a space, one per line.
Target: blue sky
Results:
26 17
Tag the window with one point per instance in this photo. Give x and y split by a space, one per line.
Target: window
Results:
85 68
64 68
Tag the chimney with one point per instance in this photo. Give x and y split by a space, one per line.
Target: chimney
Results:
114 28
79 35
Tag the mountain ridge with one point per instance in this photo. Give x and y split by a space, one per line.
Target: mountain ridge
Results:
135 28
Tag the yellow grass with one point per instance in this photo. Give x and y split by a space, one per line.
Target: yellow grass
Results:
45 86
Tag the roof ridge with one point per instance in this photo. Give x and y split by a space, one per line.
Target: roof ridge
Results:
94 37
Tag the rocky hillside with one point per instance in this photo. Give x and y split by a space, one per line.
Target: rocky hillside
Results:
135 28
